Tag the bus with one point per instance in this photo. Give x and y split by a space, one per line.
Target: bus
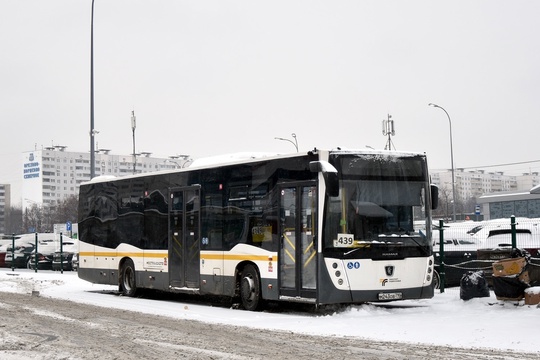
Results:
320 227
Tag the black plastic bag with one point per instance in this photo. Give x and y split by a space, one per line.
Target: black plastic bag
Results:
473 284
509 288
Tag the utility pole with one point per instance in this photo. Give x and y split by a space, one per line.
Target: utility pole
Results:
92 132
133 126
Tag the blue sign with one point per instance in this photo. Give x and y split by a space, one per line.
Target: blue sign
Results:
477 210
68 226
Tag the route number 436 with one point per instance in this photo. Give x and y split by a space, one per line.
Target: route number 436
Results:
344 240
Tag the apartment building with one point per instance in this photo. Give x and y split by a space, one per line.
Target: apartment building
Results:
473 184
52 174
5 204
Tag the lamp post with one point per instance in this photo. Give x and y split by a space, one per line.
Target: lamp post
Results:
172 159
92 132
452 162
295 143
133 126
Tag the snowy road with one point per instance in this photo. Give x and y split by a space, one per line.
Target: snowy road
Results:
78 320
35 327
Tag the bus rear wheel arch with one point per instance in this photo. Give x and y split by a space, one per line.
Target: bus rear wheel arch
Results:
128 284
250 288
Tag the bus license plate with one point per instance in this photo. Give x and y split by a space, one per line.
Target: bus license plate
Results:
391 296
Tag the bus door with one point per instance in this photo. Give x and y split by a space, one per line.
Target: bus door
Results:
297 258
184 233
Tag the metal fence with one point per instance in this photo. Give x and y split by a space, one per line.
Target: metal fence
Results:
38 251
474 246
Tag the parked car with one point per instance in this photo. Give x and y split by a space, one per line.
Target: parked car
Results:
44 261
45 249
3 255
5 240
75 261
460 256
70 247
19 257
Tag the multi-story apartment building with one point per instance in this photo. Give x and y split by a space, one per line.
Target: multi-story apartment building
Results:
5 204
497 195
473 184
53 174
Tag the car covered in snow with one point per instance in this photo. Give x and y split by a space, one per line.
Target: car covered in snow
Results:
18 256
64 259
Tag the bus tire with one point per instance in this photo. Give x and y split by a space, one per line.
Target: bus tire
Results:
128 285
250 288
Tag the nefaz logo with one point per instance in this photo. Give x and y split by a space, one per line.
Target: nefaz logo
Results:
384 281
389 270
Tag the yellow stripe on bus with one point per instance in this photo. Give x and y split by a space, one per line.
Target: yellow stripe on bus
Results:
165 255
238 257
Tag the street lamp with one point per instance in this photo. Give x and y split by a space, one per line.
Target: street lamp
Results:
172 159
133 126
295 143
92 133
452 162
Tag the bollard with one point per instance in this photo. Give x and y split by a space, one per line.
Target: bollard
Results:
36 253
441 255
61 255
13 252
513 227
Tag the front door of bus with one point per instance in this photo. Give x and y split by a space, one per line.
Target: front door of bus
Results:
184 232
297 260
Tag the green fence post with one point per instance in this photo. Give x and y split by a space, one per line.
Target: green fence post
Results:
13 252
513 226
61 255
36 253
441 255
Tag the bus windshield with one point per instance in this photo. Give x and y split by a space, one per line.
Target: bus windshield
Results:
381 205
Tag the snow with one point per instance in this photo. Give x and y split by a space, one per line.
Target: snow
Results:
535 290
443 320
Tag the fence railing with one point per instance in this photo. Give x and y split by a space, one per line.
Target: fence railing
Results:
473 246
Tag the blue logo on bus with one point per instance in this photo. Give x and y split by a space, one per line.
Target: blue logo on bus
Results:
353 265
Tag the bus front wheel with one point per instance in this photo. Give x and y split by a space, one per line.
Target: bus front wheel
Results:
436 282
128 286
250 288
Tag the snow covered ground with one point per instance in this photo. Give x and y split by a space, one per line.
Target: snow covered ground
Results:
443 320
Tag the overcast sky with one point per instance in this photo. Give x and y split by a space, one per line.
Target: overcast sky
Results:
213 77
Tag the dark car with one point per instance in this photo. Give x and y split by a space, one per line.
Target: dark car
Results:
19 257
460 257
44 261
64 260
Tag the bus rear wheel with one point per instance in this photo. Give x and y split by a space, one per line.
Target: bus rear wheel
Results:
128 285
250 288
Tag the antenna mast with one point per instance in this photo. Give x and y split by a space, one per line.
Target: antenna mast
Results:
388 130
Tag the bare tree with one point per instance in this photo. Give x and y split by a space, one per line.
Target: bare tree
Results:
66 210
13 218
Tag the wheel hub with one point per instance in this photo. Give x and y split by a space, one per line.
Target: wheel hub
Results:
247 288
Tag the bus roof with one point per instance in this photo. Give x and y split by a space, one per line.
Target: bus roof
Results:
248 157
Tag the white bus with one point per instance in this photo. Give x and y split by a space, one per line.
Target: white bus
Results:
322 227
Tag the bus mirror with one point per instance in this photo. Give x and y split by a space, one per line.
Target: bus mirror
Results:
434 197
329 174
